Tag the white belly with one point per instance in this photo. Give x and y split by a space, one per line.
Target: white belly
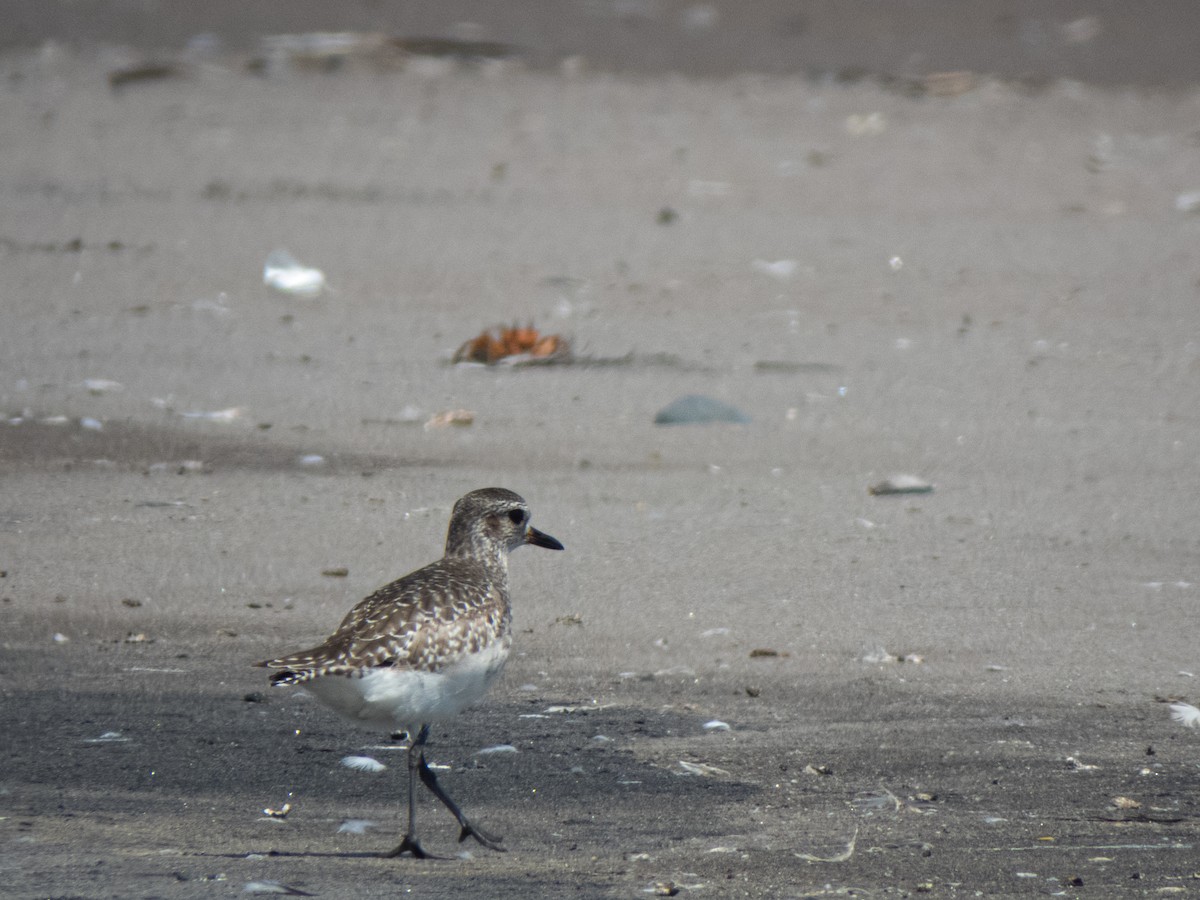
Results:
395 699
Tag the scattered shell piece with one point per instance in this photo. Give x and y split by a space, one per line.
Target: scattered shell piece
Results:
696 409
901 484
714 632
702 769
1076 765
60 638
280 813
459 417
1126 803
232 414
136 638
1185 714
810 769
866 124
102 385
514 345
91 424
274 887
716 725
109 737
948 84
363 764
284 273
53 420
498 748
312 459
662 889
781 269
840 857
355 826
1188 202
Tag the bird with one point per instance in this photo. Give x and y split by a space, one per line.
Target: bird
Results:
422 648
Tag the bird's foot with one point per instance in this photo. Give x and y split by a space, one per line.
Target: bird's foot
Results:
487 840
411 846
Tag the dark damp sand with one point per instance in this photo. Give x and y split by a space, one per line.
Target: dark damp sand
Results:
993 291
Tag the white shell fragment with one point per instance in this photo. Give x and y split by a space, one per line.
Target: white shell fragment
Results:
1185 714
780 269
273 887
901 484
109 737
232 414
284 273
355 826
716 725
102 385
498 748
363 764
1188 202
702 769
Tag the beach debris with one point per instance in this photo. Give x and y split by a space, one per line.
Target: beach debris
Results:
331 51
763 653
866 124
336 572
274 887
717 725
102 385
446 418
280 813
948 84
704 770
1185 714
109 737
311 459
781 269
498 748
900 484
60 638
232 414
569 619
1188 202
514 346
870 802
662 889
1126 803
1076 766
90 424
696 409
363 764
880 656
142 71
840 857
355 826
284 273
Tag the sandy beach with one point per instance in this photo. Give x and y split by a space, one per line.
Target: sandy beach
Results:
747 676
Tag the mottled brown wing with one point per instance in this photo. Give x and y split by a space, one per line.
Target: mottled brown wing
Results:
424 620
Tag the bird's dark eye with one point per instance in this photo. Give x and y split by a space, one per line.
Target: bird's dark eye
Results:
516 516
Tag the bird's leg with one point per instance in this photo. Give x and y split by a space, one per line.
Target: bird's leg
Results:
416 760
468 830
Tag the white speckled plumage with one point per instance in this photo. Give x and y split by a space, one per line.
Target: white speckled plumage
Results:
425 646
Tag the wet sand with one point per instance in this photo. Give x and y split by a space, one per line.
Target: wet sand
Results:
995 291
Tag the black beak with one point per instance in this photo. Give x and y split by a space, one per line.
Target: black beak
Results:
541 539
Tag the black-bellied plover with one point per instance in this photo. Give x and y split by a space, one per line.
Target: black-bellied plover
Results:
427 645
